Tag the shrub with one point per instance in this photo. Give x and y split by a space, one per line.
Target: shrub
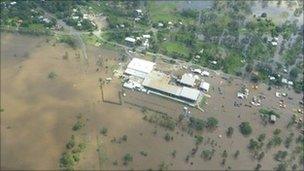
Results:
71 143
127 158
281 155
104 131
277 131
261 137
198 139
143 153
52 75
67 161
78 125
245 128
211 123
197 123
167 137
229 132
124 138
236 154
207 154
254 145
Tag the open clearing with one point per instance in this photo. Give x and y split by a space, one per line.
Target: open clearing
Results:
39 114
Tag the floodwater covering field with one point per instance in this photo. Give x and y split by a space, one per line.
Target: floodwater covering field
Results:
45 85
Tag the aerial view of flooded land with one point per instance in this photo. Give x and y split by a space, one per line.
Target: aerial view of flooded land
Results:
152 85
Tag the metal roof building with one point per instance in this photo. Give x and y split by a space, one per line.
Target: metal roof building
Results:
157 81
204 86
189 93
188 80
139 67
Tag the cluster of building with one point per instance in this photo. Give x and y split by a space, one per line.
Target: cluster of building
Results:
142 76
79 18
144 39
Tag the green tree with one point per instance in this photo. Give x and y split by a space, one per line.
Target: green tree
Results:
198 139
229 132
245 128
127 158
211 123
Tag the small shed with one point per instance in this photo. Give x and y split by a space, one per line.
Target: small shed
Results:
204 86
273 118
188 80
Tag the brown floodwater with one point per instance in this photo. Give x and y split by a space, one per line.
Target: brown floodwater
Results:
39 114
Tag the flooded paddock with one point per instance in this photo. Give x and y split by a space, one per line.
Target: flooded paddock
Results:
40 110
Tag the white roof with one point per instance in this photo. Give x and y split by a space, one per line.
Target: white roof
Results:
189 93
205 86
146 36
197 71
188 79
160 81
284 80
205 73
139 10
139 67
130 39
290 82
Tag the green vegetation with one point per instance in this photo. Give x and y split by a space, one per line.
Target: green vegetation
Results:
52 75
229 132
198 139
71 41
211 123
78 125
127 158
207 154
196 123
161 119
280 155
245 128
104 131
143 153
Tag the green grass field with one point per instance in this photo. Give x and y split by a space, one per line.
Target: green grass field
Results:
172 47
162 11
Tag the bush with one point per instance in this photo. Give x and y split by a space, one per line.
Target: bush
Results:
127 158
167 137
229 132
52 75
281 155
71 143
67 161
277 131
211 123
78 125
197 123
124 138
198 139
207 154
261 137
245 128
143 153
236 154
104 131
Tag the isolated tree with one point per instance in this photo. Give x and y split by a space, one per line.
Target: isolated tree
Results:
211 123
236 154
127 158
245 128
229 132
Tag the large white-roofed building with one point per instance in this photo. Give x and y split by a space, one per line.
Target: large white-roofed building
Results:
189 93
204 86
159 82
139 67
188 80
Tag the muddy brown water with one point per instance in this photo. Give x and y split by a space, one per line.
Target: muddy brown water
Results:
39 113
